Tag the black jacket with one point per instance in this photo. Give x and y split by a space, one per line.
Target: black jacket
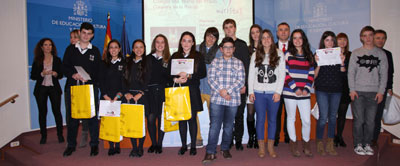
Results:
38 68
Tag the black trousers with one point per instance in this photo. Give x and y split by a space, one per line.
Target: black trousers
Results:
279 121
239 127
378 117
192 130
156 96
73 124
45 92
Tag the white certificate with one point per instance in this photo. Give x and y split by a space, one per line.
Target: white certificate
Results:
329 56
82 72
110 109
182 65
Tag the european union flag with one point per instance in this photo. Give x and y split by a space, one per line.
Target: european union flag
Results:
126 49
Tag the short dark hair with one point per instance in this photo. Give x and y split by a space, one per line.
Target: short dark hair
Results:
229 21
88 26
227 40
213 31
381 31
283 23
367 28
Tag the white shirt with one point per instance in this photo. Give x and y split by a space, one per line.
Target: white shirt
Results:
83 51
280 44
156 56
115 61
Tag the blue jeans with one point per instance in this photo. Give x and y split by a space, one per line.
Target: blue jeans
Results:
265 105
220 114
328 104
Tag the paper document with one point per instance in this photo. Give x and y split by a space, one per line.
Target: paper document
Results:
182 65
82 72
329 56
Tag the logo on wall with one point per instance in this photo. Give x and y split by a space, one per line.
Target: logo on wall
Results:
80 8
320 10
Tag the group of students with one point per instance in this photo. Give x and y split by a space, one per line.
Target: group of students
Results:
265 76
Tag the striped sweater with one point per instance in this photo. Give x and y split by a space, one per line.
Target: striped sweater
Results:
299 75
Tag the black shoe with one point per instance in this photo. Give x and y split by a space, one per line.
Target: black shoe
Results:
111 151
151 149
68 151
117 150
336 141
61 139
94 151
158 149
43 140
193 151
255 142
182 151
276 142
342 143
250 144
133 153
226 154
287 139
140 153
209 158
239 145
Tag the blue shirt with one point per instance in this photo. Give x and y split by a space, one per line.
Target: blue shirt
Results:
204 87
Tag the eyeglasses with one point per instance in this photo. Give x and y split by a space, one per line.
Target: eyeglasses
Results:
227 47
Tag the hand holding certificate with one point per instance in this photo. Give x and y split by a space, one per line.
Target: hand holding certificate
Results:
182 65
328 56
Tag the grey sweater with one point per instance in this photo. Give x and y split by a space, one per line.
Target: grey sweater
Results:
368 70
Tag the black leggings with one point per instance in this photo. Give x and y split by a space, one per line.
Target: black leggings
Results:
192 130
341 119
156 98
134 143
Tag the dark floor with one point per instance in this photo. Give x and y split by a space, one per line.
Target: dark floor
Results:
32 153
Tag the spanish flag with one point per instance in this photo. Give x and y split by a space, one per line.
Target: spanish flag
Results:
108 37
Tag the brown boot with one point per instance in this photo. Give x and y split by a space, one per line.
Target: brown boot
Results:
293 149
270 146
307 149
329 147
261 149
320 147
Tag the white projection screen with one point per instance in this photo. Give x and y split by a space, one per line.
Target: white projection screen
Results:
172 17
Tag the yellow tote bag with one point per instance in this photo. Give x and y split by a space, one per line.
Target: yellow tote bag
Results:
82 102
177 103
132 121
167 125
110 129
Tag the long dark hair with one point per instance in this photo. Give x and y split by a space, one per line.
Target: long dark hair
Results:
325 35
39 54
192 54
108 58
166 53
251 46
273 53
305 47
141 67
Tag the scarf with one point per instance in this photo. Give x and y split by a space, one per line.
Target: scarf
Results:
210 55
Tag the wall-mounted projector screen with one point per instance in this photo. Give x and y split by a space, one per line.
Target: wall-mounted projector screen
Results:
172 17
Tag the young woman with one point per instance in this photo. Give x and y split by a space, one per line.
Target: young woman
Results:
157 65
343 43
111 81
135 86
296 91
46 70
187 50
74 36
328 86
266 78
254 37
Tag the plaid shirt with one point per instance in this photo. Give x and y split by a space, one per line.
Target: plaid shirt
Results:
229 75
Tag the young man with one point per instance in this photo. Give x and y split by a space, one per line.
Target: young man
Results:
83 54
367 76
242 53
226 78
283 34
379 41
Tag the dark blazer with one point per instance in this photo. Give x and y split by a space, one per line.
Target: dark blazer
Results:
38 68
194 82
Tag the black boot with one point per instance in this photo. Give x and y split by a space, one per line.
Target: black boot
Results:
336 141
255 141
251 131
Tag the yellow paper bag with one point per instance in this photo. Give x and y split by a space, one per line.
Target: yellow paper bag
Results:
167 125
82 102
110 129
132 121
177 103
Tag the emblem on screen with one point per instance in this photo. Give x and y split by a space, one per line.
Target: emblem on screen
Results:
80 8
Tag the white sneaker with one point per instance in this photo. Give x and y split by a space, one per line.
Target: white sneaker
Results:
368 150
359 150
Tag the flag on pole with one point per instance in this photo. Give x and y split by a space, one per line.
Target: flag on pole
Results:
108 37
126 49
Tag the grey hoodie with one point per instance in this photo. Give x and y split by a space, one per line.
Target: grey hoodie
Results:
368 70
